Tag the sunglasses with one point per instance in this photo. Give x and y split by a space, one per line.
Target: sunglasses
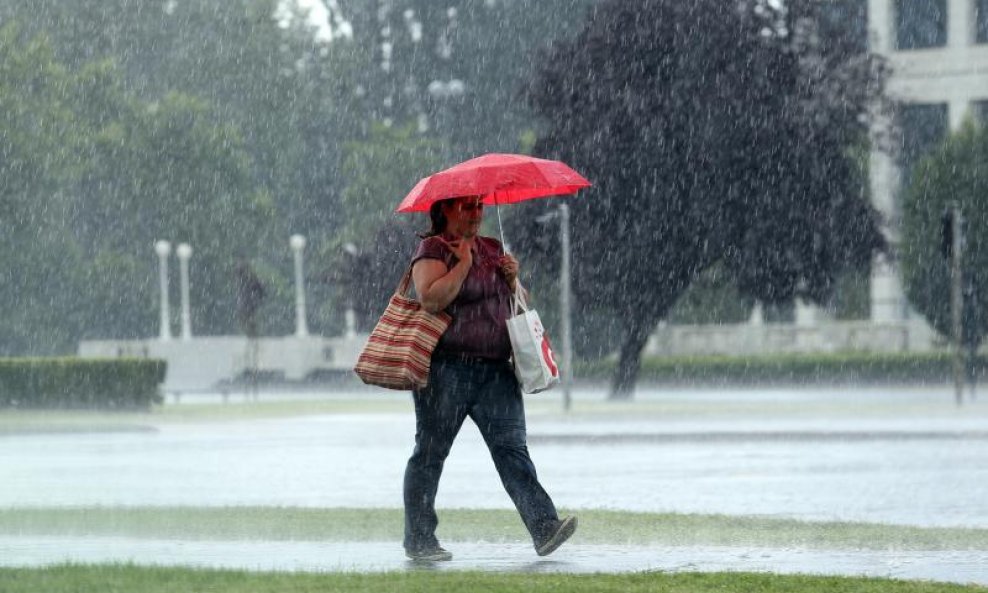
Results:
477 206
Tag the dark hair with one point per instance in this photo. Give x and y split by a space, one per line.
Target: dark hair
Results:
438 220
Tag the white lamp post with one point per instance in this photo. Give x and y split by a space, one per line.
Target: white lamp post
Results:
565 298
163 249
297 243
566 305
184 252
350 316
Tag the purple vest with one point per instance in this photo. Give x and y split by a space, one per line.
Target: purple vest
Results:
483 304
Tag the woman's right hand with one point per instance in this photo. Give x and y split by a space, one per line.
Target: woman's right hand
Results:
462 249
436 284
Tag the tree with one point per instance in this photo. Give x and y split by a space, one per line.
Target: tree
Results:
368 256
275 97
487 45
38 153
954 172
165 171
715 133
92 176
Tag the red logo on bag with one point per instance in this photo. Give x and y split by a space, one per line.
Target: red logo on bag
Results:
547 356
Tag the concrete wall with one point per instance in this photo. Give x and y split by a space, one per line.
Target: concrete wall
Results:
202 363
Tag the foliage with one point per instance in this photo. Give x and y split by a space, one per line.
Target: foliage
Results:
711 298
487 45
792 369
51 383
146 107
37 158
380 170
164 171
955 171
124 144
714 133
367 258
73 578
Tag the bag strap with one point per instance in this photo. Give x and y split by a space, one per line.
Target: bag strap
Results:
402 289
518 299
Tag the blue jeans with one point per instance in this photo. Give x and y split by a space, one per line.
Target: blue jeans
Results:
488 393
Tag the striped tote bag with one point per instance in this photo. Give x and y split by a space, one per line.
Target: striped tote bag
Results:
399 350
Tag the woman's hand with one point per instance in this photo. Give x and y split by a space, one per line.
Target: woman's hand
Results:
435 283
462 249
509 268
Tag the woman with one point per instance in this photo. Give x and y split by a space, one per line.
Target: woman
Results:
469 276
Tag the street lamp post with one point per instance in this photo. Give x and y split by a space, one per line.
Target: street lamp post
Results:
565 300
350 316
297 243
184 252
565 304
163 249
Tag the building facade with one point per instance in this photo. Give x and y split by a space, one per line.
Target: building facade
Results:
938 53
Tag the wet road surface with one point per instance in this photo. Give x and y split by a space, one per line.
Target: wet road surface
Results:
874 455
954 566
882 457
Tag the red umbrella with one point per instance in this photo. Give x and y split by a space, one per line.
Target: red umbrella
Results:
500 178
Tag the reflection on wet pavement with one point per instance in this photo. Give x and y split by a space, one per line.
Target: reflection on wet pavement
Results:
954 566
830 456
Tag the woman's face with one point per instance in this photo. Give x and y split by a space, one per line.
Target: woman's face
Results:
464 215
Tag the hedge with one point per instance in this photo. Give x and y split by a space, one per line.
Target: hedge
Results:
841 368
73 383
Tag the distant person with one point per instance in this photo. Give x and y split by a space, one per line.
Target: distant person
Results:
470 277
250 296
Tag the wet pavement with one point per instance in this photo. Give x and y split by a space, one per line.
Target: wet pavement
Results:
888 457
879 455
955 566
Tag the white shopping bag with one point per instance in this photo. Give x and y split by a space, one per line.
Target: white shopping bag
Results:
531 351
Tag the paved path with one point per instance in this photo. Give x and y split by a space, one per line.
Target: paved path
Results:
896 456
958 567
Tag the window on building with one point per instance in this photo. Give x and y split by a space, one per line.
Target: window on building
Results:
980 111
846 20
981 21
923 126
920 23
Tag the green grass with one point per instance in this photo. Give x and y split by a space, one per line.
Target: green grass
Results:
495 525
116 578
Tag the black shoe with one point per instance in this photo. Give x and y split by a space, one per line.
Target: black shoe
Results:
557 534
434 554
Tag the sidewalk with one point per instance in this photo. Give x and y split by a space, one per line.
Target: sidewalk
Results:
958 567
897 456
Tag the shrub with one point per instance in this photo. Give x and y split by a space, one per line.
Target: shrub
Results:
60 383
842 368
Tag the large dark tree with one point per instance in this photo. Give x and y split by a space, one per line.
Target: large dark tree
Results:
714 132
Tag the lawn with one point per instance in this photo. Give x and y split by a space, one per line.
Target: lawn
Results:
115 578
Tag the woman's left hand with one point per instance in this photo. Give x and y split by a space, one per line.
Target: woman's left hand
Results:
509 267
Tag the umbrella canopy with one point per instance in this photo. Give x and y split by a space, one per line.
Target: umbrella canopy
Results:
499 178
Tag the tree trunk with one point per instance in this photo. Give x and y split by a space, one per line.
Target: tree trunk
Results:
629 363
